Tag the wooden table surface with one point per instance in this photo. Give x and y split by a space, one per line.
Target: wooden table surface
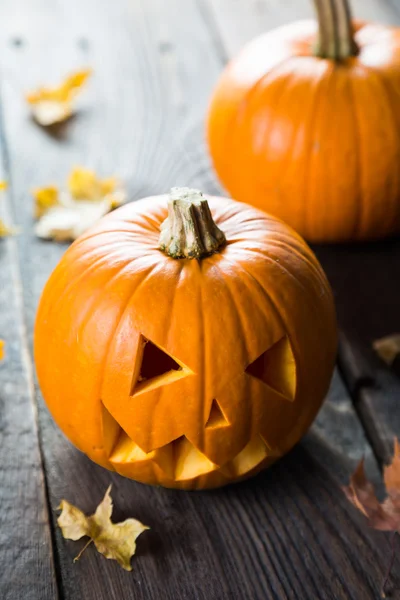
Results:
288 533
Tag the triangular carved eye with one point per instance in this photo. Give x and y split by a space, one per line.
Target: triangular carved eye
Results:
277 368
155 367
156 362
216 418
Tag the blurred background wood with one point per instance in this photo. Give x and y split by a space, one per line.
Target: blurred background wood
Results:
289 533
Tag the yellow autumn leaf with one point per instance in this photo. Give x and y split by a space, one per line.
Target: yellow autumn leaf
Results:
84 184
54 105
116 541
3 185
388 347
2 346
45 198
63 215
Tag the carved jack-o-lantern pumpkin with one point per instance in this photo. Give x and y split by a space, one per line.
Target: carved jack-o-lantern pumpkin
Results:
189 359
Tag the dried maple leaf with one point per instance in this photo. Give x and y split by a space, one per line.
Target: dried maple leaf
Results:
114 540
54 105
383 516
388 348
64 216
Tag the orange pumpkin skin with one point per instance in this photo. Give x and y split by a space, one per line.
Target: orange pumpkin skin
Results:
214 419
314 142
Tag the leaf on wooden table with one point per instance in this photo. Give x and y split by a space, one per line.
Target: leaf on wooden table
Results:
84 184
64 216
384 516
54 105
116 541
388 348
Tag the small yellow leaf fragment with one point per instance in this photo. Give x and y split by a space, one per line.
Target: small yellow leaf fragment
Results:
54 105
2 345
45 198
3 185
116 541
388 347
83 184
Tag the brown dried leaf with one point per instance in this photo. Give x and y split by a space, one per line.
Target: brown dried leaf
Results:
384 516
362 494
388 348
54 105
114 540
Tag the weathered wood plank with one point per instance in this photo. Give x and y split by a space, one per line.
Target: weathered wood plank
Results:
289 533
364 279
26 557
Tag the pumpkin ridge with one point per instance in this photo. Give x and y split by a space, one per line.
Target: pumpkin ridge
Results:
231 132
99 296
287 158
314 110
130 298
385 84
237 306
270 303
359 160
73 281
308 259
265 255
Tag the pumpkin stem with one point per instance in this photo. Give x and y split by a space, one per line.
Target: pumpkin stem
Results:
336 36
189 230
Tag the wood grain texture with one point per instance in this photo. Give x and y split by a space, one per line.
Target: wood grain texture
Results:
365 283
26 556
289 533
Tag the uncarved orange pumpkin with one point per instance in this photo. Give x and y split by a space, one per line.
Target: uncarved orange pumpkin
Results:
190 359
305 124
